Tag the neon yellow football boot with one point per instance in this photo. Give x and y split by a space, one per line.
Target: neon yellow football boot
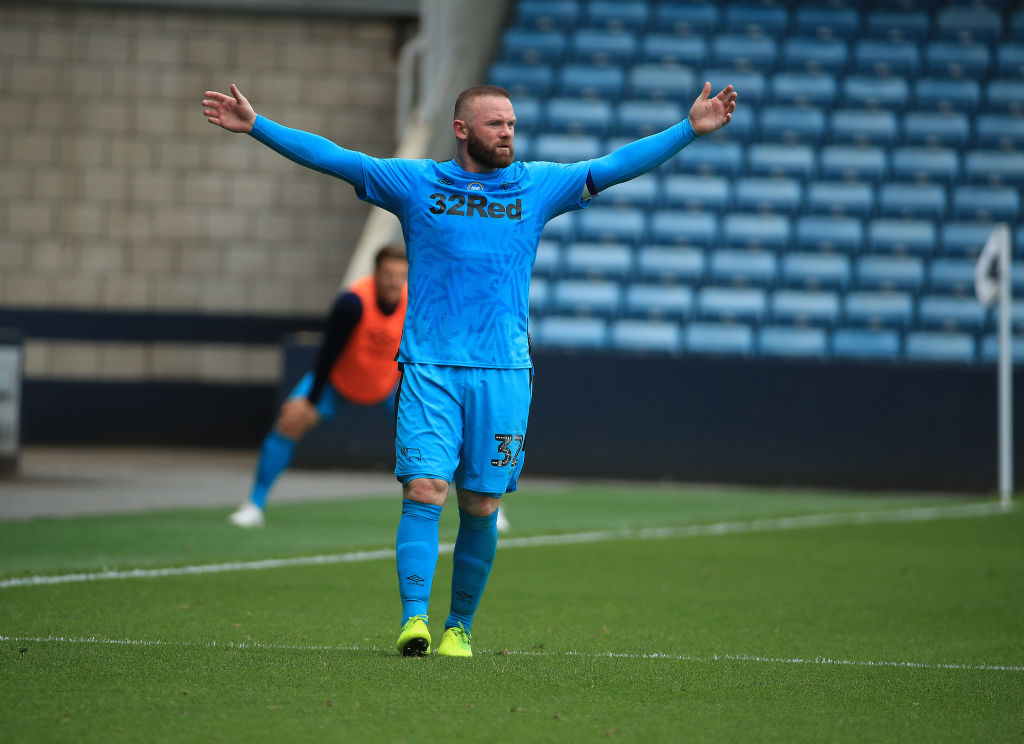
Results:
455 642
414 640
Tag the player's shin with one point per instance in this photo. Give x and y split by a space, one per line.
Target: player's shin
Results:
471 565
275 456
416 555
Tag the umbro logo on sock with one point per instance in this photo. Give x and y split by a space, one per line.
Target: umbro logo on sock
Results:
464 596
415 580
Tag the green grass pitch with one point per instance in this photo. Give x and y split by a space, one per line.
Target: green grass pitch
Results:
884 630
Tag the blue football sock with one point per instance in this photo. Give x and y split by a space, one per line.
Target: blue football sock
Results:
275 455
416 555
471 565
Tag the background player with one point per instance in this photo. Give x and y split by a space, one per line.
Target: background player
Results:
471 226
356 362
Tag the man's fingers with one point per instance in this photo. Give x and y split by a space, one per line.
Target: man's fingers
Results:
216 95
705 92
238 95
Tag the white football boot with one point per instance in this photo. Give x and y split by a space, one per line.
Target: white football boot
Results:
247 515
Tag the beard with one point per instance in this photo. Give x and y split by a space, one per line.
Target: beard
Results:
490 157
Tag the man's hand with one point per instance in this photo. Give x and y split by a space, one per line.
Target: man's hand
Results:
711 114
297 417
231 112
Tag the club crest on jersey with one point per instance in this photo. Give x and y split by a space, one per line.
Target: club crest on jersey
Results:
475 186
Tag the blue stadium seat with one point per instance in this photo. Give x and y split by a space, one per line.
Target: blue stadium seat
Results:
1004 94
549 258
798 307
674 227
879 309
781 160
819 233
859 343
547 15
646 336
566 148
598 260
787 341
671 264
816 270
997 130
670 49
768 195
659 82
533 47
854 163
915 237
643 191
522 79
986 203
840 198
686 19
756 20
578 116
528 117
612 225
990 348
946 94
803 89
951 274
804 126
1010 60
697 192
641 118
957 60
743 267
890 272
540 295
711 158
924 164
741 230
718 338
935 129
561 229
994 167
926 200
864 127
814 55
964 238
740 128
744 52
582 297
898 24
887 57
927 346
974 23
875 92
659 301
751 83
952 313
731 304
587 81
827 23
597 47
1017 25
618 15
576 333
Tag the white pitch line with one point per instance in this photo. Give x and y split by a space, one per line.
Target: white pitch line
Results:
918 514
816 660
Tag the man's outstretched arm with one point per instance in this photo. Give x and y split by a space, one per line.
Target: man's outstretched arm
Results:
629 161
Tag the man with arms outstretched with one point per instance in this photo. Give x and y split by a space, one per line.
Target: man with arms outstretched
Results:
471 227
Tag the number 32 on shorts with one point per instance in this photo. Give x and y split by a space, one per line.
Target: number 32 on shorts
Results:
504 440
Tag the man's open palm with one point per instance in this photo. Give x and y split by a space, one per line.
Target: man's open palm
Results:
231 112
710 114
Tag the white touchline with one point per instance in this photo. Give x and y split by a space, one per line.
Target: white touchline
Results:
244 645
917 514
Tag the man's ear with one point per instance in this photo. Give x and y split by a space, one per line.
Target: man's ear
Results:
461 129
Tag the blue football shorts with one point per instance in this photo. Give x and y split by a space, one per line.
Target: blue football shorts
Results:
330 399
464 425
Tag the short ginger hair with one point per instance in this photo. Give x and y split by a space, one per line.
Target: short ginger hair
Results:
466 97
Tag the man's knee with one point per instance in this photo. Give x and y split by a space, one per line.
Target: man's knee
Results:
478 504
426 491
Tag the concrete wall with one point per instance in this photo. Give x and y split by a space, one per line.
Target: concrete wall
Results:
117 195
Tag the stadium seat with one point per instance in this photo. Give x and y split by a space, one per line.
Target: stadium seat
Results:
964 238
1010 60
1005 95
927 200
935 129
587 81
643 191
711 158
953 59
756 21
860 343
740 128
767 195
646 336
670 49
809 54
863 127
990 348
612 225
718 338
582 297
686 19
540 295
854 163
917 237
659 301
804 126
731 304
875 92
879 309
641 118
697 192
926 346
547 15
659 82
743 52
528 119
985 203
890 272
549 258
886 57
997 130
598 261
620 15
994 167
576 333
840 198
578 116
671 264
742 267
561 228
820 233
827 23
923 164
798 307
740 230
1017 25
522 79
816 270
951 313
533 47
751 83
675 227
599 47
787 341
946 94
951 275
566 148
898 24
795 161
969 23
